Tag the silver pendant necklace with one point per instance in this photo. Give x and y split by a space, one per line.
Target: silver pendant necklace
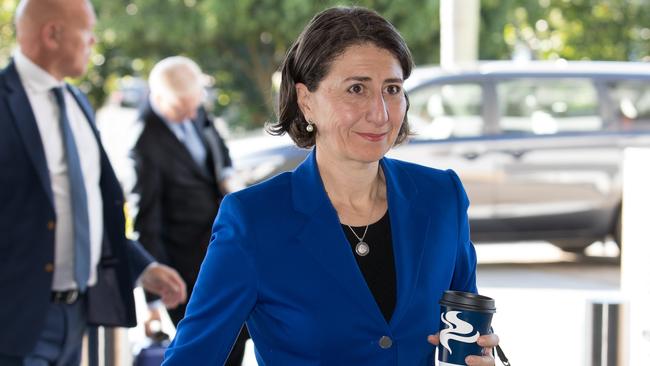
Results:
362 248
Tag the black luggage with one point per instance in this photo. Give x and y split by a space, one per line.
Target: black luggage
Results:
154 354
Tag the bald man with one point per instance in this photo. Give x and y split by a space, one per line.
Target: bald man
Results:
182 167
64 260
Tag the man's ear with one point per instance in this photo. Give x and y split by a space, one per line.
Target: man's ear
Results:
304 99
51 34
158 101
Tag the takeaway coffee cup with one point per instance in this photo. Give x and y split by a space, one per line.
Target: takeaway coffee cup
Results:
465 316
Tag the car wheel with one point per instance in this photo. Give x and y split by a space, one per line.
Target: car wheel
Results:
577 246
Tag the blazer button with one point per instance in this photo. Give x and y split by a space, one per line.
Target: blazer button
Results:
49 268
51 225
385 342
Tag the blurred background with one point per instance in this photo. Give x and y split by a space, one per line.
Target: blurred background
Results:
240 43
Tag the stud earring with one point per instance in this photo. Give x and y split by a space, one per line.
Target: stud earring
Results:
310 127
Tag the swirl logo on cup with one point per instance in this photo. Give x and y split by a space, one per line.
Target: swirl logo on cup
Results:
456 330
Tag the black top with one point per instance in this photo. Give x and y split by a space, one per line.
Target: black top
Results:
378 266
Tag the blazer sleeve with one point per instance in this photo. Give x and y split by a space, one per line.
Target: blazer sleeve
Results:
464 277
139 259
224 295
145 201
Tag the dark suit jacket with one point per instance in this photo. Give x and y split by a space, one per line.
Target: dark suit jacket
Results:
178 199
28 221
280 261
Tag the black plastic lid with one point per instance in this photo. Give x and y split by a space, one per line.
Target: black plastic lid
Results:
468 301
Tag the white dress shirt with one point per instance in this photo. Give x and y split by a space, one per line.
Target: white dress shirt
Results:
38 84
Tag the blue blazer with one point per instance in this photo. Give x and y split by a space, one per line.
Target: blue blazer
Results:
279 261
28 221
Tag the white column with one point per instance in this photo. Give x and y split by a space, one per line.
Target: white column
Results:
635 255
459 27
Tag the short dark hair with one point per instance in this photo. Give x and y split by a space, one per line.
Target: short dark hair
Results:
308 61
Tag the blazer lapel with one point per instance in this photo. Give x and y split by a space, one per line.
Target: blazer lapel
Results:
85 108
409 225
323 238
213 146
110 188
28 129
172 142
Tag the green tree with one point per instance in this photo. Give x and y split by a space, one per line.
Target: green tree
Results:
6 28
579 29
239 43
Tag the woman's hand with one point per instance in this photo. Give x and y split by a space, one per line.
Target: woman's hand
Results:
487 341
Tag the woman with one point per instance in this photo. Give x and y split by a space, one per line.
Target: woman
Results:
342 261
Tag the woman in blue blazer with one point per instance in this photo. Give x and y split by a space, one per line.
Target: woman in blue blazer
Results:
342 261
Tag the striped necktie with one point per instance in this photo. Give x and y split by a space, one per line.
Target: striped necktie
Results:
80 220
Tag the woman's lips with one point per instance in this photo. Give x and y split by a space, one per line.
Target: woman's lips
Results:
373 136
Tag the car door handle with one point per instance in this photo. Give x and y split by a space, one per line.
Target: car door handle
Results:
516 153
471 155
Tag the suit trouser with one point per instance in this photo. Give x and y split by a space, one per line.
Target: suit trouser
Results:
60 340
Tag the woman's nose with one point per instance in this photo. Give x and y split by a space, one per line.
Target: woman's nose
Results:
378 111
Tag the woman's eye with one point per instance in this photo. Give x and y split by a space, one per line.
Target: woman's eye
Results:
356 89
393 89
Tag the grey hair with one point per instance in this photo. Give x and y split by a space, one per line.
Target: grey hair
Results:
176 76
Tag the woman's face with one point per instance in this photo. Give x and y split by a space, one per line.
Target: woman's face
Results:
358 107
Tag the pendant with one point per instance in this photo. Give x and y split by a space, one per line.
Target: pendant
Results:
362 249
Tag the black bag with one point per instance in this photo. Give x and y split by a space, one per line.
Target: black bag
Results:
154 354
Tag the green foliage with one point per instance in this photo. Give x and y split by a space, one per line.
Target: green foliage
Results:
6 29
240 43
580 29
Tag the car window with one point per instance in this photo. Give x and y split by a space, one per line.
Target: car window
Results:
548 106
446 111
632 103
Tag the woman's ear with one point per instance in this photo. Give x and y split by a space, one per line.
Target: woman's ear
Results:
304 99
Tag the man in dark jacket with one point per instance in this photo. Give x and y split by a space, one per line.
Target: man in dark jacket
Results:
182 168
64 259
